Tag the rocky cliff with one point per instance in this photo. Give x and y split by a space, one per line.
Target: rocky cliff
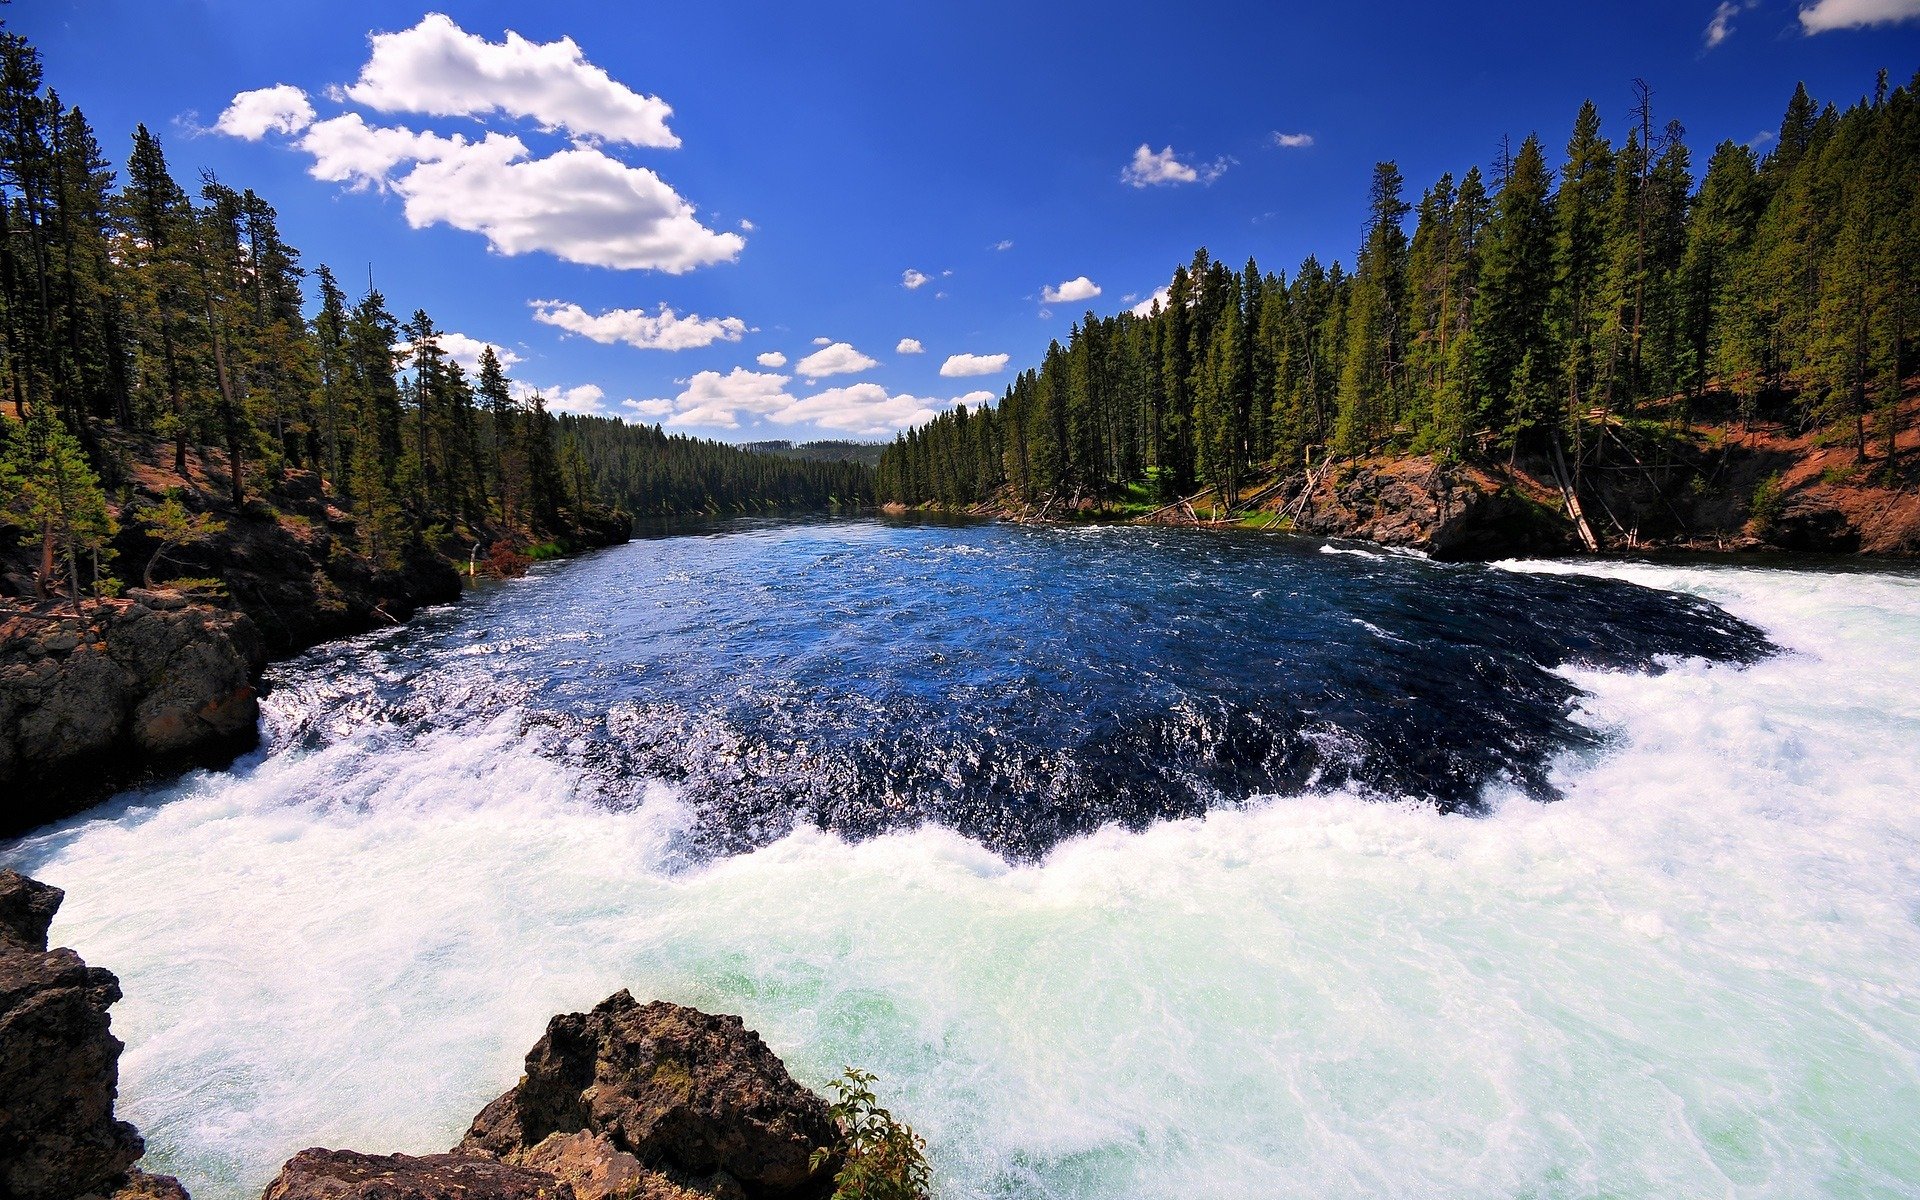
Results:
59 1065
98 700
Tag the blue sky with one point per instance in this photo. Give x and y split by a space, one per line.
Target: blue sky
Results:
814 155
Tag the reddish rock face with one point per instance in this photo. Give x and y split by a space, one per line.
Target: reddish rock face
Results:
699 1099
59 1063
349 1175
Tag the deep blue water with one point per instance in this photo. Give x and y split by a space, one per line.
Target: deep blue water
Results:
1021 685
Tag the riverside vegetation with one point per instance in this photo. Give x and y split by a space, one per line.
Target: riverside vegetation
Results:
1646 354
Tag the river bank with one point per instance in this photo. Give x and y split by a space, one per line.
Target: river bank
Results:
1645 487
132 688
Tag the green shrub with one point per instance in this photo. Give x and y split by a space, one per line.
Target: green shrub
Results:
885 1159
1769 501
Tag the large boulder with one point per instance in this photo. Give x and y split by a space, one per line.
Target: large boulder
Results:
697 1098
349 1175
59 1061
96 701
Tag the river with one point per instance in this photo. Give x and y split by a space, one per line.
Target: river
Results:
1135 862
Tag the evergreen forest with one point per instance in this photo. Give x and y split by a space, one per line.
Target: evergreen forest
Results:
1535 306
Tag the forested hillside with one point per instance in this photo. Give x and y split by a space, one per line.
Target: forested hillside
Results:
1537 309
652 473
135 306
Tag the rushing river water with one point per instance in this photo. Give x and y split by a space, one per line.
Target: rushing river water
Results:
1136 863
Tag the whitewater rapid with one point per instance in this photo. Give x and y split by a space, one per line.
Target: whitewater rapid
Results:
1697 974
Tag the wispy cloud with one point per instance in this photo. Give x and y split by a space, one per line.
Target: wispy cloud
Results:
1292 141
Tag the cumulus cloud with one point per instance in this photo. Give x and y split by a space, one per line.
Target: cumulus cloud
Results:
579 204
465 350
911 279
839 358
440 69
717 400
281 108
869 409
662 330
583 400
1292 141
823 341
772 358
1150 168
962 365
1080 288
650 410
1856 14
909 346
1003 244
1160 297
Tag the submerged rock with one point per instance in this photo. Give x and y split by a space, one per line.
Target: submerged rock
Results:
697 1098
59 1063
349 1175
98 700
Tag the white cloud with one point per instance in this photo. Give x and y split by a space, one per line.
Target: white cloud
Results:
465 350
1080 288
961 365
868 409
823 341
747 226
772 358
583 400
1760 139
911 279
440 69
1856 14
1720 28
1292 141
281 108
839 358
651 410
664 330
578 204
909 346
1149 168
1003 245
717 400
1145 307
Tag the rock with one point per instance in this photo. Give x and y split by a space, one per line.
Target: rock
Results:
141 1186
593 1167
164 601
59 1062
348 1175
1808 523
137 692
697 1098
26 909
1450 510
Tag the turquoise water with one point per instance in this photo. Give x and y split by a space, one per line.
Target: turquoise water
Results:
1692 974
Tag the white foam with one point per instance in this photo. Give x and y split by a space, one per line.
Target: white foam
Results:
1693 976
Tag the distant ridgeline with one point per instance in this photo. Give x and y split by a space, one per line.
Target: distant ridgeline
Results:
131 312
652 473
822 451
1522 318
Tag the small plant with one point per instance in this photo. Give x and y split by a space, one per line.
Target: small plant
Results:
175 528
884 1159
1769 501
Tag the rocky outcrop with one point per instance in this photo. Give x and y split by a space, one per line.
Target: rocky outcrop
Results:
348 1175
697 1099
1452 511
96 701
59 1064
